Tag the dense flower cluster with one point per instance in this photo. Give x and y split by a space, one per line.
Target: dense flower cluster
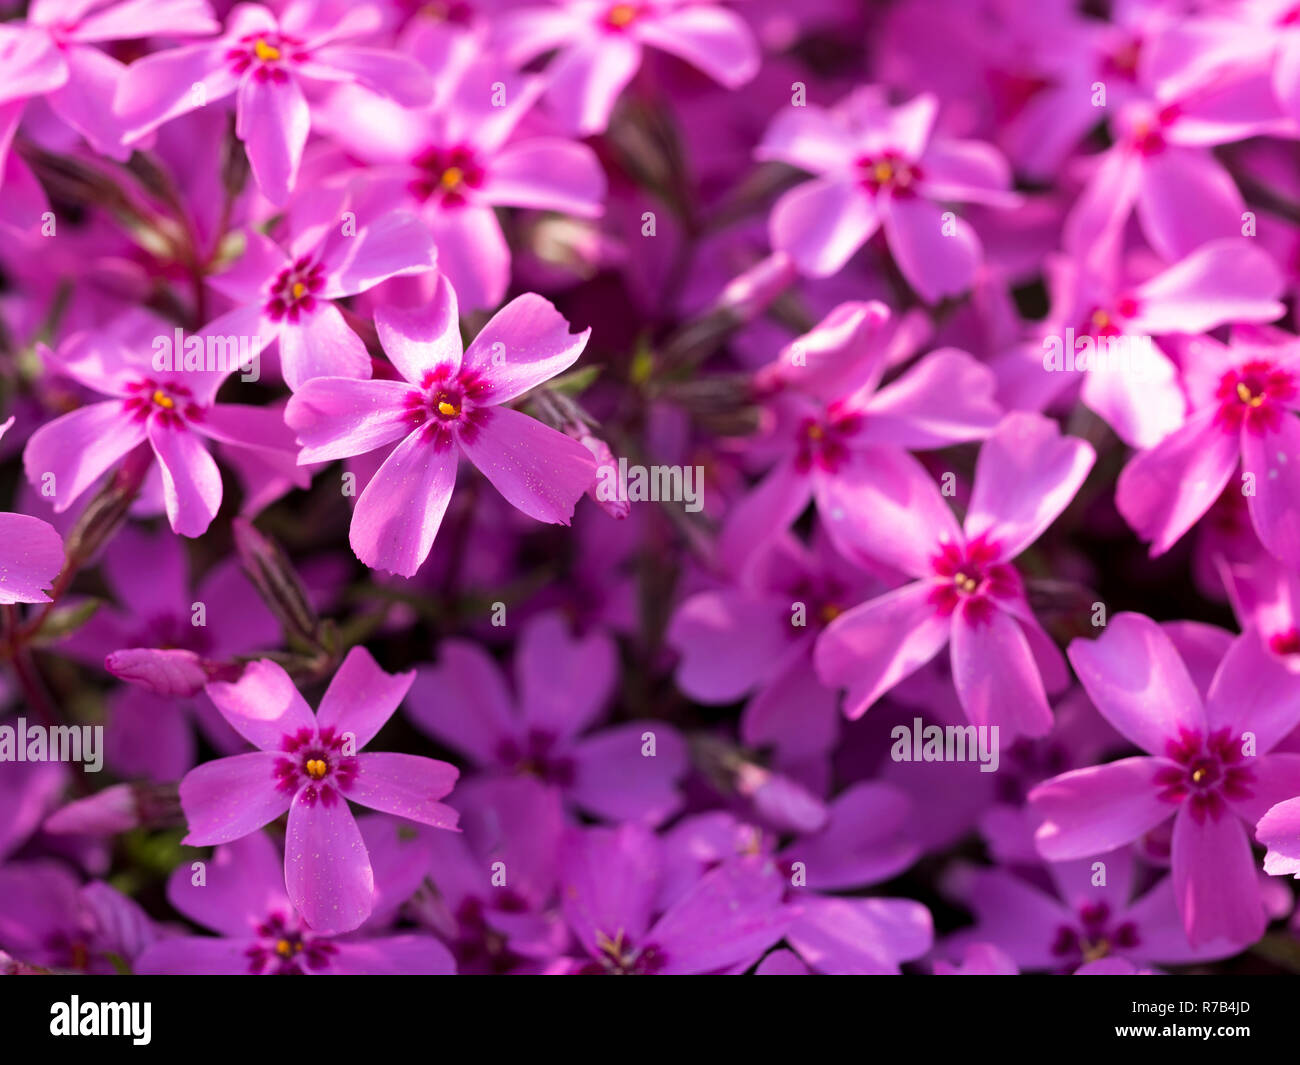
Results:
650 486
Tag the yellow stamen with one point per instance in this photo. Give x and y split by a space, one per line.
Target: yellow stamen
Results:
298 289
265 52
163 399
1095 951
448 408
283 948
816 432
830 611
883 172
316 768
1244 394
1198 776
452 176
621 14
1100 319
966 584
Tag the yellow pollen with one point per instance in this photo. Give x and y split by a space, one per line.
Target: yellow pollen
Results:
448 408
284 948
1100 319
816 432
1095 951
265 52
316 768
883 172
621 14
163 400
298 289
830 611
1198 776
966 584
452 176
1244 394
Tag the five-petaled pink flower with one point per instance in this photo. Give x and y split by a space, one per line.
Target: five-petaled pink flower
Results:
287 293
312 766
1207 765
448 403
599 45
265 59
875 166
965 590
171 409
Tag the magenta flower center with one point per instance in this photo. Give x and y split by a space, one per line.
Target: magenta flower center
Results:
970 579
1207 771
448 404
287 947
314 763
1148 134
1255 396
266 55
1285 643
1094 937
447 174
293 292
888 170
537 756
822 442
1109 321
167 402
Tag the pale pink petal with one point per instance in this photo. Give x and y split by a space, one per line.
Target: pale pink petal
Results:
1220 282
937 255
191 480
1026 474
273 122
1272 458
263 706
31 556
1095 810
715 40
809 138
525 343
161 86
821 223
361 697
381 70
995 674
542 472
587 77
419 340
1186 198
1215 881
945 398
872 647
472 253
1136 678
320 344
882 504
336 417
231 797
76 449
405 785
546 174
398 514
1163 492
326 867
